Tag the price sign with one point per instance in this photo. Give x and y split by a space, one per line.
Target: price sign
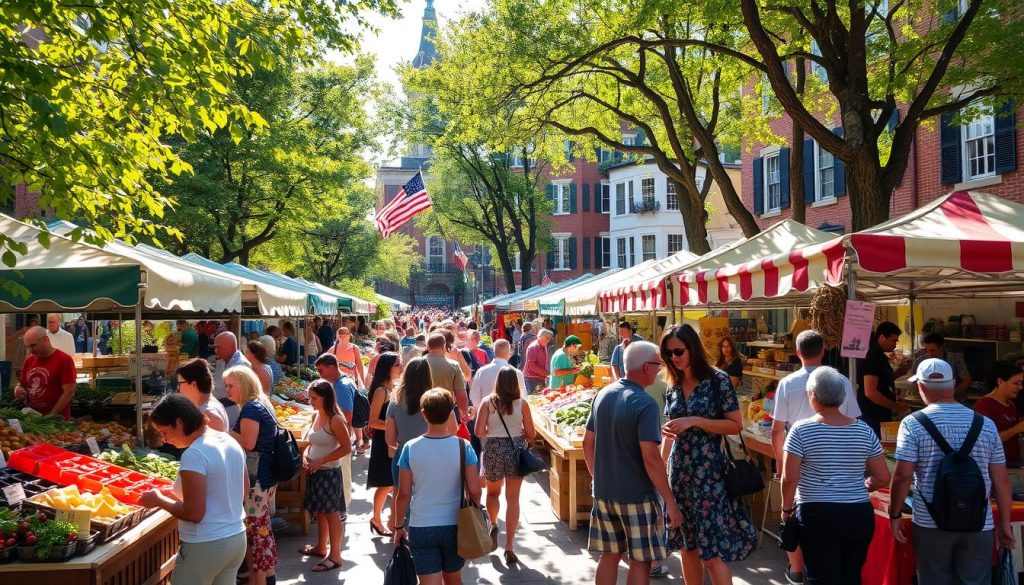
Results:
79 518
3 461
94 447
14 424
14 493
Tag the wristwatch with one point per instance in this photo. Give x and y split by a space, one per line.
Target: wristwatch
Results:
895 516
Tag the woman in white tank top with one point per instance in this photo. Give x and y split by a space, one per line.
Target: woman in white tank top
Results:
504 419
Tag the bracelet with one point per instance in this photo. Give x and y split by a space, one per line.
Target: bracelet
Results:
402 527
789 511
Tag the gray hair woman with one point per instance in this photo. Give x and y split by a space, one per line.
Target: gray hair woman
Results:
830 464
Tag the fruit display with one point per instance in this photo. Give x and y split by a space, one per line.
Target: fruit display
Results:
104 506
150 464
565 410
37 532
12 440
301 373
291 389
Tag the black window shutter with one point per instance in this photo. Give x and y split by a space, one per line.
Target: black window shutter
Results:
783 178
597 199
758 185
586 253
551 257
631 261
949 153
585 199
1006 138
839 170
572 253
597 251
810 169
951 14
550 191
572 197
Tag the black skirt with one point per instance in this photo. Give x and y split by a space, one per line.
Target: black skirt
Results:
378 474
324 493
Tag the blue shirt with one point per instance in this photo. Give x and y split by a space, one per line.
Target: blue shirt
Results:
408 341
436 480
276 372
290 351
254 410
617 361
345 394
623 415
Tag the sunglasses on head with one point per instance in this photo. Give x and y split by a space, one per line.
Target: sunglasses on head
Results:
677 352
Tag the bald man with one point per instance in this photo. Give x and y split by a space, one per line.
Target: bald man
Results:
47 381
59 338
225 347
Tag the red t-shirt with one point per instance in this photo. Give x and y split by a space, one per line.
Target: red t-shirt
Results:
43 378
1005 417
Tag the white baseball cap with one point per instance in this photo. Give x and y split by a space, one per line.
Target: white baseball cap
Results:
933 371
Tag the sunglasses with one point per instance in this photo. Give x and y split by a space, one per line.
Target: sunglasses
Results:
677 352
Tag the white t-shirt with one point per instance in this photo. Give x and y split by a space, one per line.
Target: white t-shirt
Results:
436 481
213 409
220 459
914 444
63 341
792 405
487 377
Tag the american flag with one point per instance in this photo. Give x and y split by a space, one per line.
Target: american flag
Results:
461 260
411 200
545 280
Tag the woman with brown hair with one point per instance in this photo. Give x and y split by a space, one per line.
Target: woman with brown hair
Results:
729 361
702 409
256 353
506 423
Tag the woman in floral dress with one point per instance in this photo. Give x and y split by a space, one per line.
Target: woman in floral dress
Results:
702 408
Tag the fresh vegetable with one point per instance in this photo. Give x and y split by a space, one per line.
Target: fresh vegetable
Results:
573 416
150 464
47 535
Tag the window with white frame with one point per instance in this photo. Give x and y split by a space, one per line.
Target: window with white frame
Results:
649 247
604 154
563 198
606 198
772 183
606 252
817 68
517 263
979 147
647 192
825 177
561 253
620 249
620 199
435 253
675 243
671 198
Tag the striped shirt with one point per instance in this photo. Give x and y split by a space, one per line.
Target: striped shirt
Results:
914 444
834 460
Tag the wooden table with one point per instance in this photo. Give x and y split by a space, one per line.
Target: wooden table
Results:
569 479
142 556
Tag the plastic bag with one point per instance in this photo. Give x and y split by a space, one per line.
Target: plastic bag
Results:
1004 572
400 569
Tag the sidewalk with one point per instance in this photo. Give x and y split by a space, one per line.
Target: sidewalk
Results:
547 550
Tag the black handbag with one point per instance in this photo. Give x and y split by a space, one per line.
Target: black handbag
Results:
789 534
742 476
400 569
529 461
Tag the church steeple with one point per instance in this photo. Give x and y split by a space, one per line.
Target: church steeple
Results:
427 54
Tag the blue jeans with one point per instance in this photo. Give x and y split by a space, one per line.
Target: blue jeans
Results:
434 549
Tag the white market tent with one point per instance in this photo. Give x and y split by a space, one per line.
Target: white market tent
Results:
395 304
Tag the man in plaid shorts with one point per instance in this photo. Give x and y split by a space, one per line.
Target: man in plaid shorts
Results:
621 450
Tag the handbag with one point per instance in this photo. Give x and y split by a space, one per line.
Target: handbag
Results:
287 459
789 534
473 538
1004 573
527 460
742 476
400 569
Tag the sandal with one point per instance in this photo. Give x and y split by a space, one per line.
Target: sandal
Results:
310 550
511 558
322 566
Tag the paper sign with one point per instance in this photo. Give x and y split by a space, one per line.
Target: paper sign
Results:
94 447
15 424
3 461
14 493
79 518
712 331
860 316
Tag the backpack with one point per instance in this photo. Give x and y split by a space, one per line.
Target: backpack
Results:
959 498
360 409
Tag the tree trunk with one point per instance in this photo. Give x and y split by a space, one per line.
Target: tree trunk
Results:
733 203
869 202
506 269
526 269
694 217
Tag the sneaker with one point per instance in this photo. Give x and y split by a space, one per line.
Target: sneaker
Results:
659 572
794 578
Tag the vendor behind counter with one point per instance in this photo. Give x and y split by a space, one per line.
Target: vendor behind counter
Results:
1000 405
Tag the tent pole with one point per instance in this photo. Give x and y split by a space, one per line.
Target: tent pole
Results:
671 302
913 324
851 294
138 366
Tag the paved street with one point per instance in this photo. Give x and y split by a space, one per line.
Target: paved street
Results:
548 551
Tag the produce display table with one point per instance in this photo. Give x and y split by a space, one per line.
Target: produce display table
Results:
142 556
570 481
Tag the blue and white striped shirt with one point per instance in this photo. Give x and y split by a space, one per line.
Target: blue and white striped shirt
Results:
834 459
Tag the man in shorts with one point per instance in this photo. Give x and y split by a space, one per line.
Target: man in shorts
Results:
621 451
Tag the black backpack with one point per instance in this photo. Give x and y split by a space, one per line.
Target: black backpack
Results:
360 409
959 498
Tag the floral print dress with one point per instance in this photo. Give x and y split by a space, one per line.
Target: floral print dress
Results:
713 523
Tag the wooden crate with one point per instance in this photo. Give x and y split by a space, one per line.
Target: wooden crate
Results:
558 478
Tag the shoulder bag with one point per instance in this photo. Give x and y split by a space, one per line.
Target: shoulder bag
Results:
527 460
287 461
473 538
742 476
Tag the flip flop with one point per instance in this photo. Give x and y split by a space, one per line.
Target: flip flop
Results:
322 567
310 550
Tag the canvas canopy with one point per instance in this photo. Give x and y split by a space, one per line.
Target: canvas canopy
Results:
645 289
346 302
529 302
395 303
270 300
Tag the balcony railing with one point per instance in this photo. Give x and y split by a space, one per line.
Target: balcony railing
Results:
645 207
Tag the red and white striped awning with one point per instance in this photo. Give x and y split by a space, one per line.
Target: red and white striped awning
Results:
644 289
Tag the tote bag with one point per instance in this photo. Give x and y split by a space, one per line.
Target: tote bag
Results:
473 539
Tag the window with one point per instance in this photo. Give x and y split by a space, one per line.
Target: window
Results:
517 262
435 253
671 199
606 201
604 154
632 200
621 252
826 184
561 253
606 252
628 139
647 192
620 199
979 147
772 183
817 68
563 198
675 243
632 251
649 247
